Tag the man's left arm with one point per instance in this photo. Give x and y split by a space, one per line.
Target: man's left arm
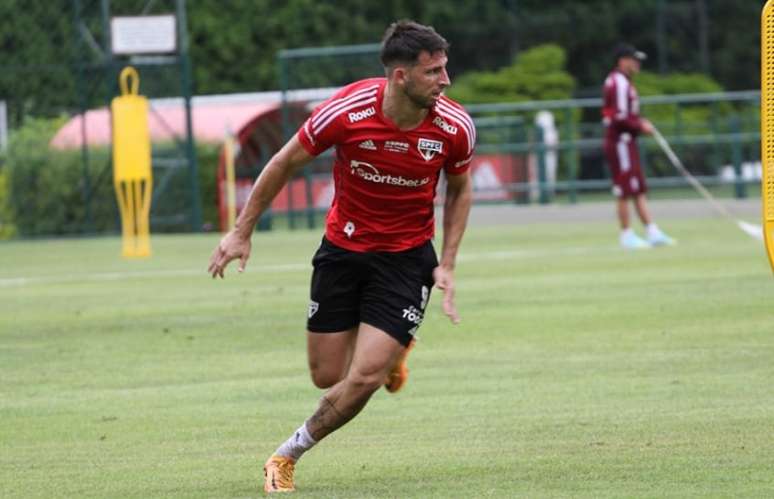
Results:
456 207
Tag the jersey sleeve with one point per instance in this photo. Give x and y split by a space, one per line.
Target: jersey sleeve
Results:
323 128
616 112
463 143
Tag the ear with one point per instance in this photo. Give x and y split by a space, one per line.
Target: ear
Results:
399 74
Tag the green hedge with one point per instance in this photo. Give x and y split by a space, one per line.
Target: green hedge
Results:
692 116
47 187
688 119
536 74
7 227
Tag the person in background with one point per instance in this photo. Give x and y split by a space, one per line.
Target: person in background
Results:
623 123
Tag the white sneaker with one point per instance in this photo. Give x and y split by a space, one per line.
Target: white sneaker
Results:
630 240
658 238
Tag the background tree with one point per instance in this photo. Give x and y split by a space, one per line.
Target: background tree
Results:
234 43
536 74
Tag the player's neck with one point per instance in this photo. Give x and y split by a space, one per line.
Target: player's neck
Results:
399 109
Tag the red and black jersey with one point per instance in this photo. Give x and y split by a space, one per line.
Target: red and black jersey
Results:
621 108
385 178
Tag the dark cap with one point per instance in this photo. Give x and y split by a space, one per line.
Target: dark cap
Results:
626 50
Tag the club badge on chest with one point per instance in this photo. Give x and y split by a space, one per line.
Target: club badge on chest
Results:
429 148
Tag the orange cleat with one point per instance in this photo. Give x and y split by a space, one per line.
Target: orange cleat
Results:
399 374
278 474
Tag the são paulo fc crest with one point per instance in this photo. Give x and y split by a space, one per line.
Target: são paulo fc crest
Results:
429 148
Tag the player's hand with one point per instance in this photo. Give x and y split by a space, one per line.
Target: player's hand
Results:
231 247
444 280
646 126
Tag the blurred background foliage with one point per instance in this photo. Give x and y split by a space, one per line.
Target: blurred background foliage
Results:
538 73
501 51
42 188
234 43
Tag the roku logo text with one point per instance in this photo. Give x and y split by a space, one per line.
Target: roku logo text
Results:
361 115
443 125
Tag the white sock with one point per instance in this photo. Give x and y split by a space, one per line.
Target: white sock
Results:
627 232
298 443
653 229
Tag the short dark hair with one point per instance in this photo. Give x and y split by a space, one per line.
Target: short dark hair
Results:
405 39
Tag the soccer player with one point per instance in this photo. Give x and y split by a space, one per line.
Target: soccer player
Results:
373 271
623 123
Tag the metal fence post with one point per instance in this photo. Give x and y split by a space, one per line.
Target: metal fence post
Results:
572 155
519 196
80 79
193 169
544 196
740 187
679 127
642 150
716 159
3 126
265 222
286 131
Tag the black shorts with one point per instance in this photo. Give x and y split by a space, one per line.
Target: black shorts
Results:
386 290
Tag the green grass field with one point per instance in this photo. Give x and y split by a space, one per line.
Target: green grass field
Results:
579 370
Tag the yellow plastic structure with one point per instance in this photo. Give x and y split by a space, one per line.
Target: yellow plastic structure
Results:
767 126
132 165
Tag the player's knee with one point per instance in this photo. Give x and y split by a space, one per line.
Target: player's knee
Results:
366 381
324 379
325 374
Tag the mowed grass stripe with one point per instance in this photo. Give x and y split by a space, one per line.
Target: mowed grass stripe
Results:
579 370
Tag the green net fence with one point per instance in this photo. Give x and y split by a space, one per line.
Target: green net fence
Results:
58 73
325 69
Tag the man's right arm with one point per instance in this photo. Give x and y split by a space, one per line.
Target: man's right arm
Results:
277 172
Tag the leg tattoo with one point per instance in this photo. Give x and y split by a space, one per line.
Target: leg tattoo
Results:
325 420
333 413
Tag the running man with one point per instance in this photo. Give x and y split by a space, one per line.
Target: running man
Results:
623 123
375 267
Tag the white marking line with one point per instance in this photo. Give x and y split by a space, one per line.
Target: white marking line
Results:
537 252
9 282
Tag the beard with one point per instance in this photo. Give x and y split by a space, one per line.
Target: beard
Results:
419 100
